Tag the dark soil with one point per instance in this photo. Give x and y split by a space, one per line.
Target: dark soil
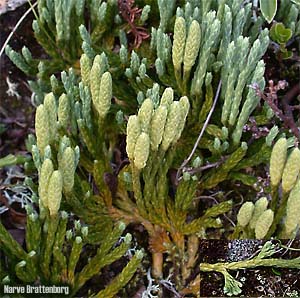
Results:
257 282
16 114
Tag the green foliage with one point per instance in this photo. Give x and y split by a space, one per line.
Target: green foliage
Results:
47 257
185 103
268 9
281 35
232 287
11 159
256 220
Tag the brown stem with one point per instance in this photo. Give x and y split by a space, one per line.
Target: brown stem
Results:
157 265
287 114
288 111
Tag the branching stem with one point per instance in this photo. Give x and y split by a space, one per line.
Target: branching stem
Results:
186 161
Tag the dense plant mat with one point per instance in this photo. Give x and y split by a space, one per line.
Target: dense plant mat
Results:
160 127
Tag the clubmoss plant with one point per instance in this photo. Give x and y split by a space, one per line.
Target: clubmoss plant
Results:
50 260
232 287
164 131
260 222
